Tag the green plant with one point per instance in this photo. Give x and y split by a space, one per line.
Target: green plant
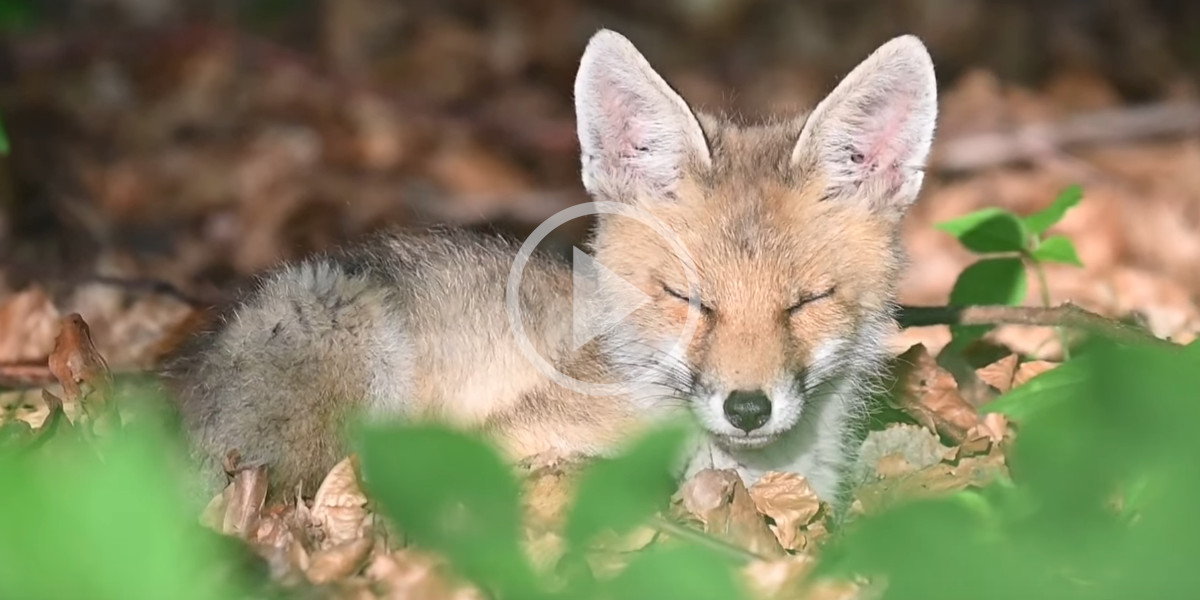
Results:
1105 476
88 517
465 506
1008 244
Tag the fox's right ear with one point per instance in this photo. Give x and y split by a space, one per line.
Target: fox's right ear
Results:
635 133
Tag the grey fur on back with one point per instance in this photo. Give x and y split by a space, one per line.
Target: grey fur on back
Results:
406 325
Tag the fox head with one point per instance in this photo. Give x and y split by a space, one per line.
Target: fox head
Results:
790 232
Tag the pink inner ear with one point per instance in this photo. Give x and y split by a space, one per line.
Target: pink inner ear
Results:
886 142
624 134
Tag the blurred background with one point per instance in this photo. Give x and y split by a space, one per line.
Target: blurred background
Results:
164 151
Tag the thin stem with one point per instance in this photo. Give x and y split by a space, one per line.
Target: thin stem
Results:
683 532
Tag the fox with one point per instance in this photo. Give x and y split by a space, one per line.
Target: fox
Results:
790 232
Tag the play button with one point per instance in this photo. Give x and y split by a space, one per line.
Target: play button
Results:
591 317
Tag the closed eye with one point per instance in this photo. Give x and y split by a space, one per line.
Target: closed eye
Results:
680 296
809 299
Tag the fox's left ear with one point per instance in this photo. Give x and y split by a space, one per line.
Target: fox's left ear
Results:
869 139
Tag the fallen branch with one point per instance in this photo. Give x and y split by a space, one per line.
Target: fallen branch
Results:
980 151
20 376
1066 315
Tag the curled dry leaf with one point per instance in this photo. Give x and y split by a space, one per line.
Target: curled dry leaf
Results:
981 438
244 497
999 374
929 394
81 370
719 499
339 506
338 561
1031 369
791 502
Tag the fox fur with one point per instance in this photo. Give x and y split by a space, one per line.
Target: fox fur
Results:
792 228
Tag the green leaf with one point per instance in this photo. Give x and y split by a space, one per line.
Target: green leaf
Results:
988 281
453 494
1041 392
106 519
988 230
1057 248
680 573
3 139
620 493
1039 222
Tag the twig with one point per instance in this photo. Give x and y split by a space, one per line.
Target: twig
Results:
980 151
1065 315
19 376
151 286
683 532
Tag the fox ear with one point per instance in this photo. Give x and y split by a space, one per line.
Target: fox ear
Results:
870 137
636 134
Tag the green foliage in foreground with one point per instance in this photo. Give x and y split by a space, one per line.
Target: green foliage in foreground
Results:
1106 472
102 519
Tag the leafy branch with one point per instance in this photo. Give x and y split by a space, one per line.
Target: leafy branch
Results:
1008 245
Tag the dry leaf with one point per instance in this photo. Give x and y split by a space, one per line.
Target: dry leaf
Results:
1032 369
790 501
898 449
781 578
409 574
338 561
894 465
719 499
937 480
999 374
28 323
81 370
339 505
244 497
929 394
548 487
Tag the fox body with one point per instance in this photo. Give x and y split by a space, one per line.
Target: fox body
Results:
791 236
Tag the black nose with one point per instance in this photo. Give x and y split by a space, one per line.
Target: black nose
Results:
747 410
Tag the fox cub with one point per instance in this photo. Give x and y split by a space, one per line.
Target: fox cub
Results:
791 231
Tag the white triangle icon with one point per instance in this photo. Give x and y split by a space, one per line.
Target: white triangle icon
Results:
590 317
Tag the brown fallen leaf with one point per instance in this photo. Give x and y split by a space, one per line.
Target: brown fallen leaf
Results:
999 374
82 371
936 480
548 484
338 561
791 502
28 323
990 431
339 506
894 465
898 449
782 578
719 499
929 394
244 498
408 573
1031 369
